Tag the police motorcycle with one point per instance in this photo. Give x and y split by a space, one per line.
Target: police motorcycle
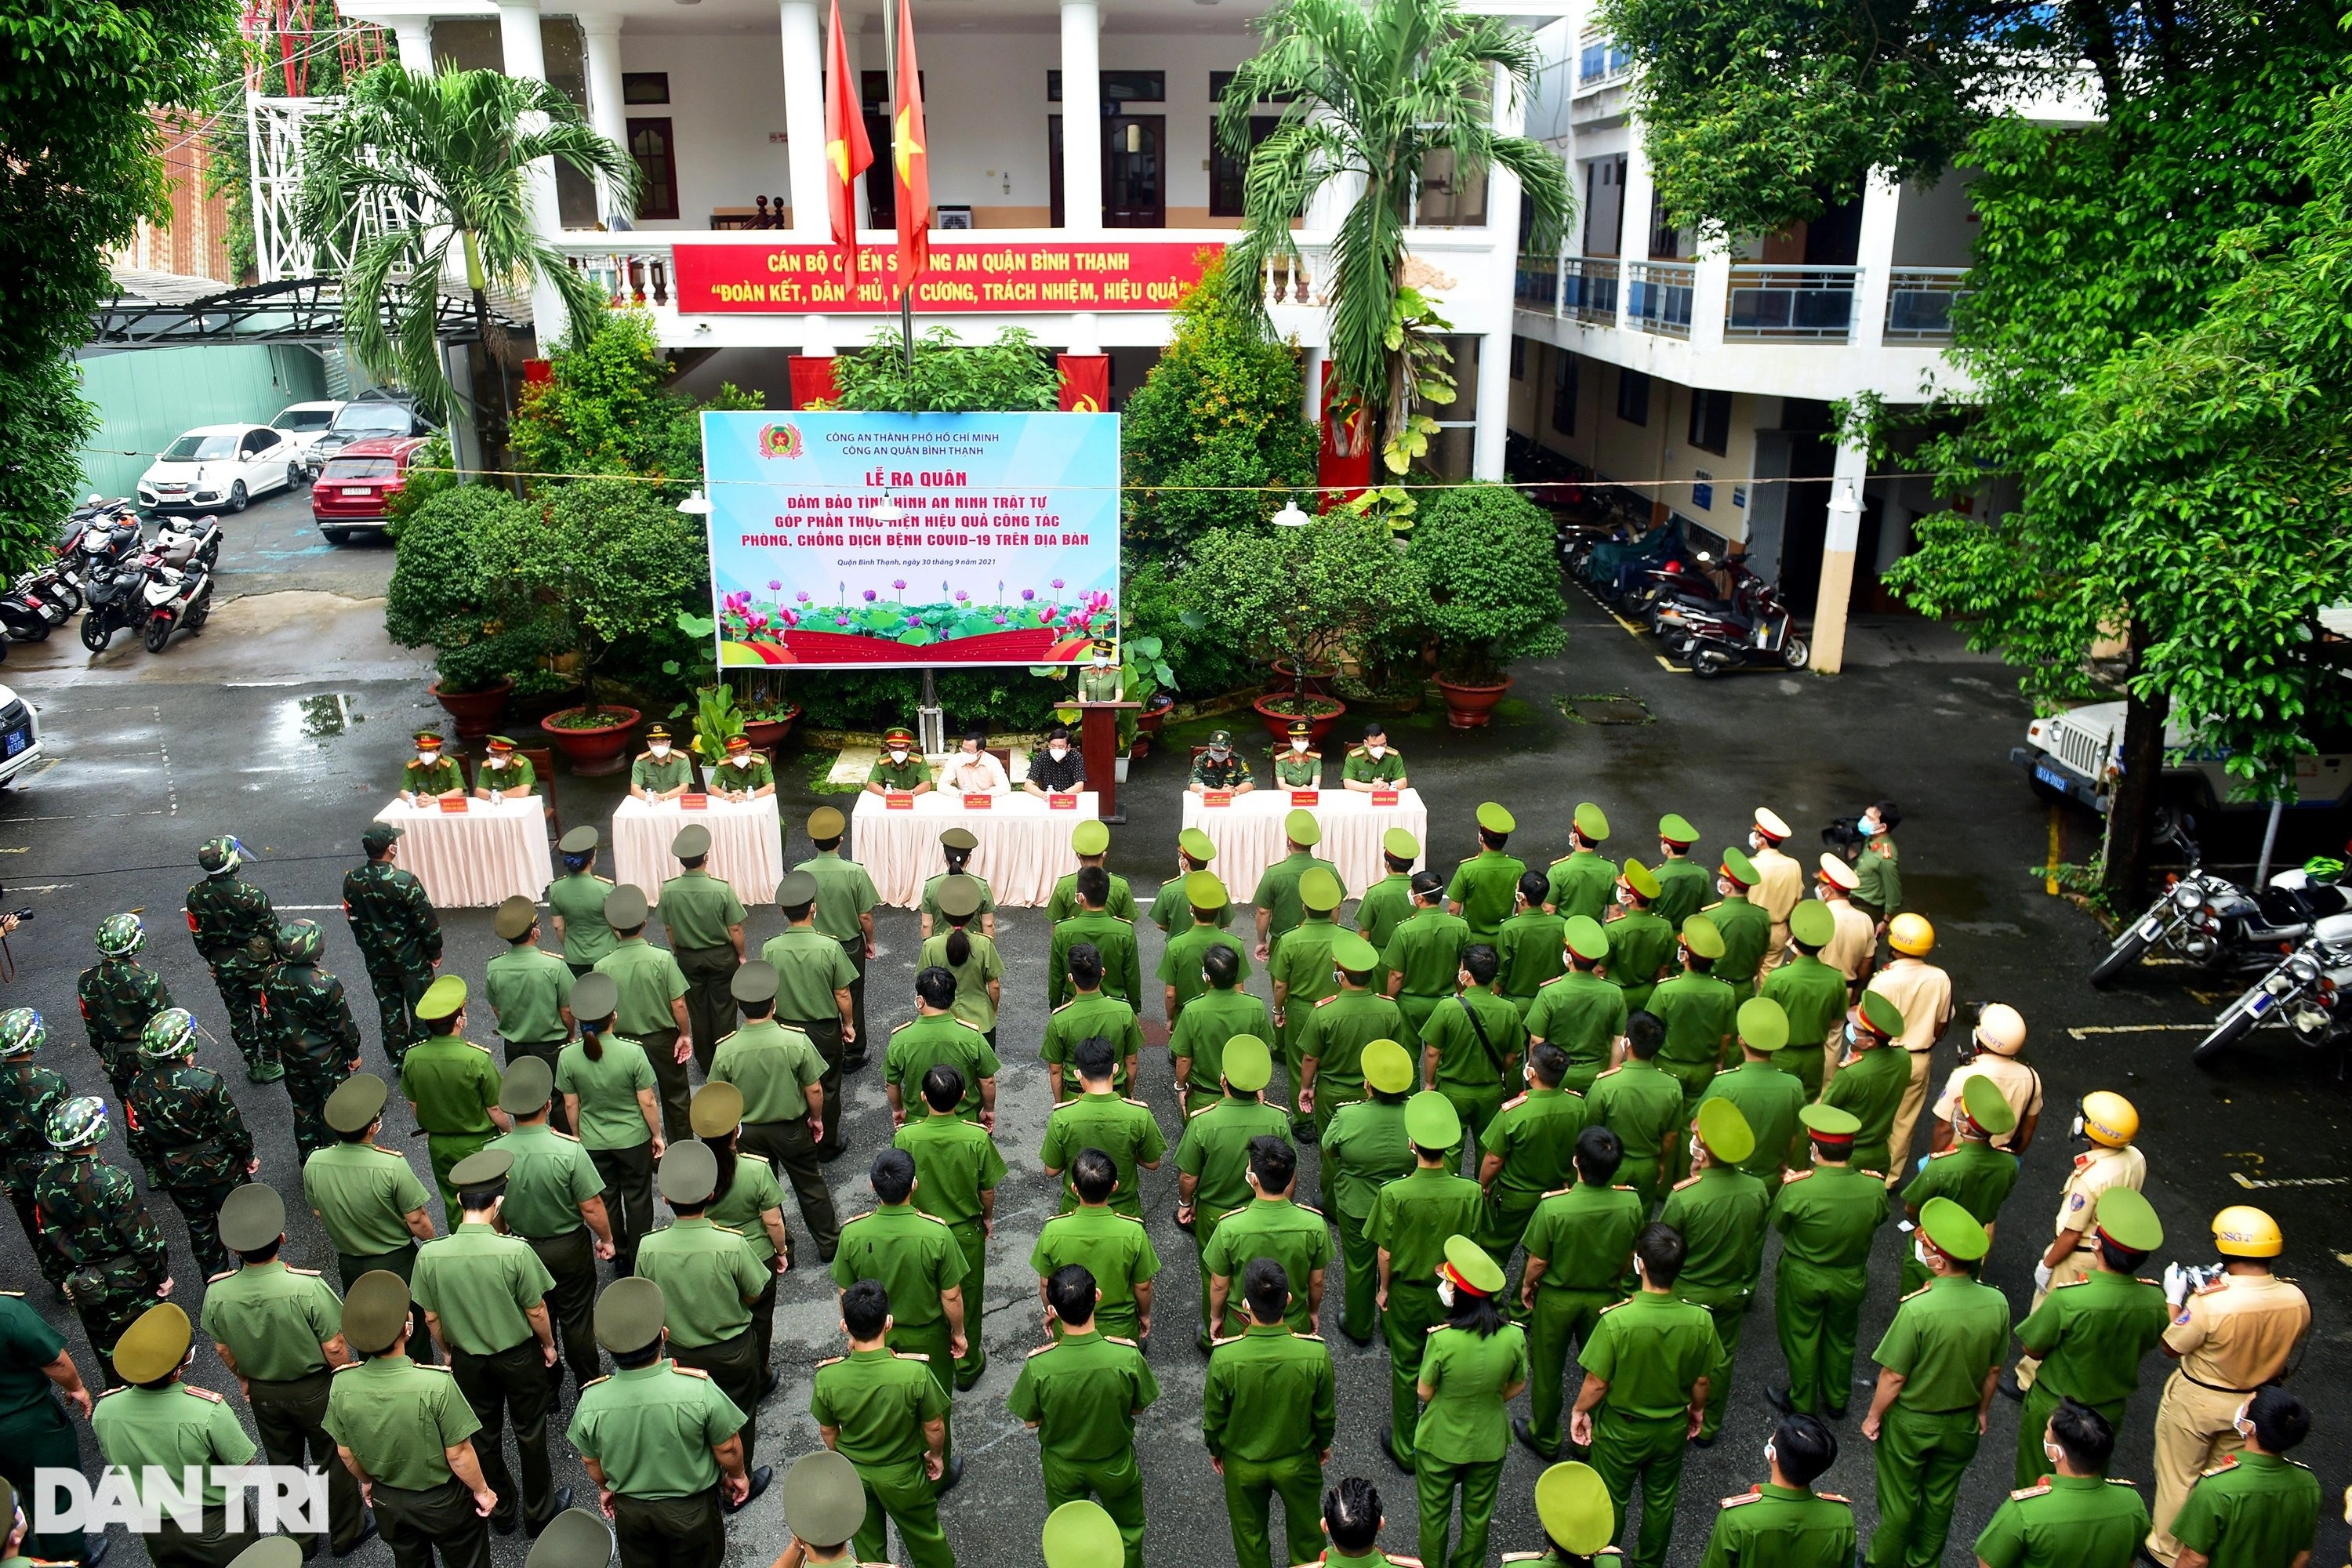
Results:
2210 920
2303 992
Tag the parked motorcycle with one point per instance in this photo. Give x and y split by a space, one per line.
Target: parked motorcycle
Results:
39 602
116 592
2210 920
182 540
1770 641
2304 991
175 598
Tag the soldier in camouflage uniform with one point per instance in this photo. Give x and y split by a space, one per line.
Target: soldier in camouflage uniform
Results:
233 924
188 1133
118 997
311 1027
27 1095
399 937
90 1215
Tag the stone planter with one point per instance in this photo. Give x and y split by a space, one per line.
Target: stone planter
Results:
1470 706
597 752
475 713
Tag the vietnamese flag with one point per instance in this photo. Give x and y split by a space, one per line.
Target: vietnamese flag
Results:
908 140
847 153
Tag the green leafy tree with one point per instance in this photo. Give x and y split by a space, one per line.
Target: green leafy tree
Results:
1385 92
449 593
607 408
1012 374
1485 553
1341 587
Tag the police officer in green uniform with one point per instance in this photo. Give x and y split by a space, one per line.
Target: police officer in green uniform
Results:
1640 944
917 1259
1212 1156
162 1422
1365 1145
1747 927
432 774
1194 850
2257 1507
1270 1226
1768 1098
370 1203
744 774
1581 1012
1698 1011
1810 993
935 1036
189 1134
1580 1245
555 1203
1573 1505
1220 767
1423 954
1303 971
1871 1080
1472 1366
846 900
659 773
1098 1118
233 926
506 773
1332 1037
608 1086
279 1331
1081 1393
1647 1367
817 988
1373 766
1090 842
1642 1104
705 919
882 1412
1485 886
709 1279
782 1079
1720 1210
1471 1047
1196 1046
1784 1520
1110 935
398 933
1936 1368
530 991
1969 1171
2092 1333
35 1433
27 1094
1267 1416
1298 765
1102 680
485 1298
1088 1014
1388 903
312 1031
1114 1247
451 1086
1412 1217
1583 881
2077 1516
957 1173
1532 945
91 1217
578 900
1683 882
749 1201
118 996
405 1433
662 1442
1279 907
1179 976
1827 1216
901 769
651 1010
825 1511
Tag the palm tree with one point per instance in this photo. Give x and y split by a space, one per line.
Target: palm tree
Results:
448 157
1377 89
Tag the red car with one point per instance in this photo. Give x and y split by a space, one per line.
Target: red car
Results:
356 487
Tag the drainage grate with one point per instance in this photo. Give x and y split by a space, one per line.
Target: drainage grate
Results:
1606 708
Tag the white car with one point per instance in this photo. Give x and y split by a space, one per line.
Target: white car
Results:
219 467
304 422
20 736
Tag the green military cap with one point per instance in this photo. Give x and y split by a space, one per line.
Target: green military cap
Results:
825 1502
1431 1120
716 1111
376 1311
445 998
1204 891
1991 1110
501 742
1220 737
1081 1535
1495 819
1473 1265
629 1314
1763 1023
155 1345
689 1173
1248 1064
959 897
1386 1067
1675 829
273 1552
825 822
1723 1127
1197 844
2125 1217
625 906
754 983
656 731
1952 1231
578 841
526 1087
1738 867
426 738
1301 829
794 889
594 996
1352 953
1878 1010
1089 838
1319 890
1703 937
692 842
1592 821
357 1101
1396 841
1586 939
252 1217
380 836
1638 878
514 917
1811 924
1829 1124
1573 1502
959 838
483 1167
575 1538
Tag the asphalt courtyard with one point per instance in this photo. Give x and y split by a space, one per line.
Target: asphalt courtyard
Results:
285 722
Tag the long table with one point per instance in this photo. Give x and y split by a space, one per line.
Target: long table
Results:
746 844
1024 843
1249 837
476 857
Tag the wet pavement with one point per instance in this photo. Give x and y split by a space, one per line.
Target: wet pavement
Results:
286 720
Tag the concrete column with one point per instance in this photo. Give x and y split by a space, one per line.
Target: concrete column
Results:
1838 541
1082 130
1494 417
1634 226
524 58
803 33
414 35
1876 254
606 111
1711 295
1310 387
1503 198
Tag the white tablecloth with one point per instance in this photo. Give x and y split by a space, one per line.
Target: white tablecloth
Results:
747 844
1025 845
1248 833
476 857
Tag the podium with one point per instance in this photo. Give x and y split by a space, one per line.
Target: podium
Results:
1098 744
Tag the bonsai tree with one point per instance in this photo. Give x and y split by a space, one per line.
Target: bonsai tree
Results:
1484 554
1316 592
446 595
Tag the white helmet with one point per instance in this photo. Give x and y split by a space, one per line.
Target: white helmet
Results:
2000 1029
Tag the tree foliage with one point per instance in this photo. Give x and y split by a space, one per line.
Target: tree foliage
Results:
1485 553
607 408
1340 586
1013 374
447 595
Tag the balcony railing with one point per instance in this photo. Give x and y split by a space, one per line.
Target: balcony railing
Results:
1588 290
1599 62
1535 284
1659 300
1920 301
1799 304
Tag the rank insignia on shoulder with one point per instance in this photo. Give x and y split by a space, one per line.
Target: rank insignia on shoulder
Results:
689 1371
833 1361
1751 1495
2023 1492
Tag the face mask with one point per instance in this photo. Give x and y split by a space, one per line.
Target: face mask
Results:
1057 750
2245 1427
661 748
1920 1251
1850 1036
426 759
972 748
1297 745
1445 1293
1822 890
897 754
1870 826
740 762
1769 1457
1639 1271
1102 661
2050 1451
1375 751
1218 751
495 762
1625 898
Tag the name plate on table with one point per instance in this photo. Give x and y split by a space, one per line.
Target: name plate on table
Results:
1307 797
1384 797
454 805
694 802
1061 803
980 802
897 801
1216 797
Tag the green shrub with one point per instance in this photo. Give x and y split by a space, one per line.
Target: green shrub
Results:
1338 587
1487 556
48 420
1206 664
1007 699
430 472
1013 374
447 595
606 409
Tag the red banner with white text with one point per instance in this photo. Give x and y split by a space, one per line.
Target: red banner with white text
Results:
964 280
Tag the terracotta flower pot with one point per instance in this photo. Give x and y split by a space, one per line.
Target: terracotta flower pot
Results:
767 734
1470 706
1327 711
1152 718
594 752
476 712
1318 678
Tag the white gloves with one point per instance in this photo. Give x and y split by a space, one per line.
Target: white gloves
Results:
2042 1277
2176 1285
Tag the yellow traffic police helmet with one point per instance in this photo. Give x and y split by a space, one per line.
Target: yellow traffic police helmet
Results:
2243 1231
1911 934
2108 1117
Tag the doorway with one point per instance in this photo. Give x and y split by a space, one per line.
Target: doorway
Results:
1134 171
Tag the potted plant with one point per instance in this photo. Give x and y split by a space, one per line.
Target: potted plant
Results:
472 685
1493 583
481 628
767 716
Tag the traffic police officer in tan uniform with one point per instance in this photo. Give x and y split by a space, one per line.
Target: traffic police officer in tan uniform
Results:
2109 1122
1779 884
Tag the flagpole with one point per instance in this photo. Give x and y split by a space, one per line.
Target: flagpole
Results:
906 285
